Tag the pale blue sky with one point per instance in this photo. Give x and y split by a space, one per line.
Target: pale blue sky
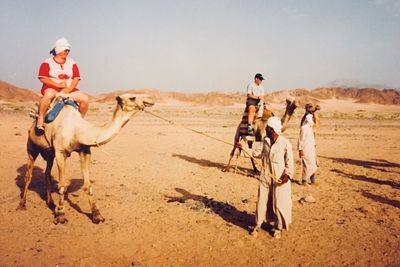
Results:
201 46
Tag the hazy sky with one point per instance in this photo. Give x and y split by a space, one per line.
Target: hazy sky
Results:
200 46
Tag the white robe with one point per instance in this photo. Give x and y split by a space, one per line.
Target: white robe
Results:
275 200
306 143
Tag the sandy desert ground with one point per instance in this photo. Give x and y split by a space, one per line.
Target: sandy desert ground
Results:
167 202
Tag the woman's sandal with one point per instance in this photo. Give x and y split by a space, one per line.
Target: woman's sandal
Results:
39 128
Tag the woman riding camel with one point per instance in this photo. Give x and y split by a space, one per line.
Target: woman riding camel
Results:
59 73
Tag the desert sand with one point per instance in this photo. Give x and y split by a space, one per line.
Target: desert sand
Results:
167 202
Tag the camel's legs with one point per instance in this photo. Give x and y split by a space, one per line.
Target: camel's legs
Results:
241 148
237 159
247 153
226 169
85 155
50 160
250 145
32 155
62 187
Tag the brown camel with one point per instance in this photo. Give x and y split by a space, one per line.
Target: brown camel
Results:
311 108
69 132
259 125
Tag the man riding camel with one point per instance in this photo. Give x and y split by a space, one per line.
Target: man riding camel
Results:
255 93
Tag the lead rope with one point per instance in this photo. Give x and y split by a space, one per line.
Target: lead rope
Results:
201 133
273 177
100 146
276 180
190 129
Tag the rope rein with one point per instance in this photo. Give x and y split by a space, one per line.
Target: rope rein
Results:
273 177
100 146
190 129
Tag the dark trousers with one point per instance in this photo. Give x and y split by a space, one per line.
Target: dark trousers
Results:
252 102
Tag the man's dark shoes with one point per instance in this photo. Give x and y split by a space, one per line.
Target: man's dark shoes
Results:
250 130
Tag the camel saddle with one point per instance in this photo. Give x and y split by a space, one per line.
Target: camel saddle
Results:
243 129
52 114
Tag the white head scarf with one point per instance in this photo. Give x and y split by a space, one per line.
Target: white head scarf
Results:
309 120
61 45
275 123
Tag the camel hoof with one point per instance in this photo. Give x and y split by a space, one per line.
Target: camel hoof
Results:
21 206
97 218
60 219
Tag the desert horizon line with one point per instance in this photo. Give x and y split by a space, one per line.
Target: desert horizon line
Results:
268 91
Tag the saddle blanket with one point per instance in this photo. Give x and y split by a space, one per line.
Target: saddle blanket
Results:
243 127
53 113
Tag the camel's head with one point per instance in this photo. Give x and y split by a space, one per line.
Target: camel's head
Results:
290 106
130 102
267 113
311 108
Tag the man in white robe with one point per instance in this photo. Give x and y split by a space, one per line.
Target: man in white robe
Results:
274 203
306 147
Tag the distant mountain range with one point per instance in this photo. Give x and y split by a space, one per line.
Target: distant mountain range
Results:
348 83
357 95
12 93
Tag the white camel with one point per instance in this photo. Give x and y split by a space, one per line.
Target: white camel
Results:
69 132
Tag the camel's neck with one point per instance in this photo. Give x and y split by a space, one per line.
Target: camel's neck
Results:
95 136
285 119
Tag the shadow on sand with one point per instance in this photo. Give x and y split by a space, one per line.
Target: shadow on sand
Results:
367 179
226 211
38 182
378 164
74 186
208 163
38 185
384 200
